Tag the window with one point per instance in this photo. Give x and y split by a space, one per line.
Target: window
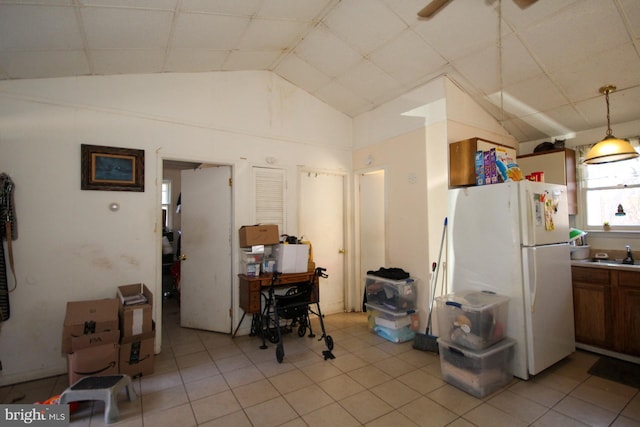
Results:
611 193
166 203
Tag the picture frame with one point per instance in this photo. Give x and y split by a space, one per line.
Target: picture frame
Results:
111 168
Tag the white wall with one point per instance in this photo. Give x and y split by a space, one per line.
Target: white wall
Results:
71 246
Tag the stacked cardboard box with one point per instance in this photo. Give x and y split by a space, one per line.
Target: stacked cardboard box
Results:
137 329
90 338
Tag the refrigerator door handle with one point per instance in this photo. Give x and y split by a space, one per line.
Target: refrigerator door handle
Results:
533 286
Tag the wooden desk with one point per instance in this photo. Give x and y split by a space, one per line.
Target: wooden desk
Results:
251 289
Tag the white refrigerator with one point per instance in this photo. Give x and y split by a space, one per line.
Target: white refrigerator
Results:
512 238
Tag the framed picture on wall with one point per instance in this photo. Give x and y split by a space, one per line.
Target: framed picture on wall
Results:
111 168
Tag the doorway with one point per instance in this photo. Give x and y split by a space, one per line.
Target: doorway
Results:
322 222
202 227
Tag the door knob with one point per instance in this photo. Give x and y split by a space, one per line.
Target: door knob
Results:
341 251
182 257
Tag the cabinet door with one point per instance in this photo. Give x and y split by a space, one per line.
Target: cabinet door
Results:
592 306
559 167
629 312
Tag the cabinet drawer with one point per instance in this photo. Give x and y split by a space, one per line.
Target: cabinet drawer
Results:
629 278
600 276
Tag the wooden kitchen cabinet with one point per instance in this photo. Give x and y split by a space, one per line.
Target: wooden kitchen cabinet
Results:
629 314
592 306
462 161
559 167
606 306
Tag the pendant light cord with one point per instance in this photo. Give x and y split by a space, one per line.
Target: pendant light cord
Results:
606 97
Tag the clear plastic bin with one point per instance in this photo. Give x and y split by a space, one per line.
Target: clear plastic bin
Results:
391 296
478 373
472 319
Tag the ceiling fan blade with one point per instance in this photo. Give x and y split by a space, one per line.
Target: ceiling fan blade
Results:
524 3
431 8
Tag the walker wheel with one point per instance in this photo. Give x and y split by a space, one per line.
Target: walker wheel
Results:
329 342
302 329
279 353
273 336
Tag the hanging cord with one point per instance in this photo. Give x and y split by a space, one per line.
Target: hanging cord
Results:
500 62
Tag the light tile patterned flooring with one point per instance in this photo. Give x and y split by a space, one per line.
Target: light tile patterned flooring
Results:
209 379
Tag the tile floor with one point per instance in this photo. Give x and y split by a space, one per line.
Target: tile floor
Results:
209 379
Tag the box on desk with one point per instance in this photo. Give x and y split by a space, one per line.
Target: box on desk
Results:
253 235
291 258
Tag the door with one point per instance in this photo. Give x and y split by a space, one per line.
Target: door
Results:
548 305
205 282
322 222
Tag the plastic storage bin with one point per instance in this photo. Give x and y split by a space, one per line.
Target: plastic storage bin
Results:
391 296
478 373
472 319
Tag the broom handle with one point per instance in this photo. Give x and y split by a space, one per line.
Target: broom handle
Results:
435 281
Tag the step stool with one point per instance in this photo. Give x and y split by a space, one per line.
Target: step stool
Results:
103 388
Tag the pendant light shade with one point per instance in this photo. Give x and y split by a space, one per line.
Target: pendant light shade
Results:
610 149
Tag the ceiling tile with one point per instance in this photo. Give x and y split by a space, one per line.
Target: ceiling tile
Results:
460 28
364 24
38 28
133 61
138 4
209 31
194 60
328 53
585 38
368 81
301 73
251 60
407 58
336 94
631 9
110 28
223 7
535 94
581 80
35 65
293 9
272 34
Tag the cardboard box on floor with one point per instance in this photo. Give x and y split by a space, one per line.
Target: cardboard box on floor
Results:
93 361
135 319
254 235
137 354
90 323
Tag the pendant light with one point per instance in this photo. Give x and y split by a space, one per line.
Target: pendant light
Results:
610 149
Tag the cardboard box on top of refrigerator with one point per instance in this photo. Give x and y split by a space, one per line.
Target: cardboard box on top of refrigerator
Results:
291 258
135 309
261 234
90 323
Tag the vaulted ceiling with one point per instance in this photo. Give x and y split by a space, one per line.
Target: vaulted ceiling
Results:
540 78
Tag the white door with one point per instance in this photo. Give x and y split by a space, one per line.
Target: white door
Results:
322 222
548 306
205 282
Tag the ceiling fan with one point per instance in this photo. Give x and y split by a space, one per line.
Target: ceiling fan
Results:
429 10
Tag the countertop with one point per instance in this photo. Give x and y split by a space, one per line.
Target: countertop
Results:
611 264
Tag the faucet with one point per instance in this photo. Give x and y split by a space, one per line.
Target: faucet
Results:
629 258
